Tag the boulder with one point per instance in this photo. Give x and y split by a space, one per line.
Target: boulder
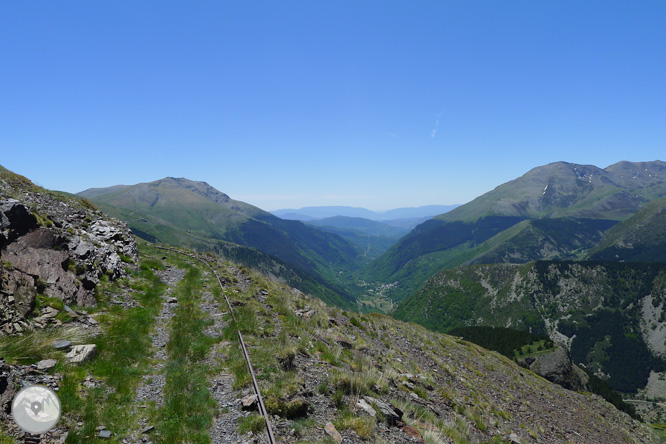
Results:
413 433
250 403
46 364
557 367
363 405
16 217
81 353
333 433
344 342
393 415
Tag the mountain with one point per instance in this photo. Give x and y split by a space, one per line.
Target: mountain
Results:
310 213
372 238
431 246
572 203
567 189
611 316
360 225
164 361
412 213
641 238
194 214
415 212
542 239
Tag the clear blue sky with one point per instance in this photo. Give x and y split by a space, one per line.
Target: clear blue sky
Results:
285 104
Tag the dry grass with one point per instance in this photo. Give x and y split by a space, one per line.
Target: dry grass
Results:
36 345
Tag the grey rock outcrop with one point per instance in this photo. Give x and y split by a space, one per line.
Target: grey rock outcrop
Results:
557 367
81 353
57 246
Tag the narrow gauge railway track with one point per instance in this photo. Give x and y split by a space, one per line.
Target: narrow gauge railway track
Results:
255 384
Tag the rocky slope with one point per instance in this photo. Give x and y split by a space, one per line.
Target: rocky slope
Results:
169 368
325 375
610 315
56 246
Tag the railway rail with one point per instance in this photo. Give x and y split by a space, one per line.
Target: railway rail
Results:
255 384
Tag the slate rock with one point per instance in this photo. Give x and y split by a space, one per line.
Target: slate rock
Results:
81 353
61 344
333 433
46 364
363 405
250 403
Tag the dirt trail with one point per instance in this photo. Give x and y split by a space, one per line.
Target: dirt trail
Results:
224 429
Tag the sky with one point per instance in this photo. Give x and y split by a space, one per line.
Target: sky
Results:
375 104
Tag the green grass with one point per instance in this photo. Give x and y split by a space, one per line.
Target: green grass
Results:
188 405
254 423
6 439
122 360
35 345
364 426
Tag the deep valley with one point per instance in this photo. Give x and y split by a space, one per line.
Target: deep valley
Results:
566 261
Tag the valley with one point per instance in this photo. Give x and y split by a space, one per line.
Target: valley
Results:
354 258
581 264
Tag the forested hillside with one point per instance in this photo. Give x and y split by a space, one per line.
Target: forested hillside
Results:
609 314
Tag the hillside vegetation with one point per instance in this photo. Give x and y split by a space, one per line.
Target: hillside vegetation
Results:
556 211
168 367
374 379
641 238
195 215
608 314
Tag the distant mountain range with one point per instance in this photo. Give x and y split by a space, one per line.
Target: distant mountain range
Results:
371 237
556 211
312 213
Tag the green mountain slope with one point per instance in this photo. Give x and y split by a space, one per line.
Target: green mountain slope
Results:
543 239
641 238
567 189
431 246
610 315
194 214
360 225
564 207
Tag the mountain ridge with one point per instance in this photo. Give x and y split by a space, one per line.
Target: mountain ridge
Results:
559 192
563 188
195 214
323 212
164 334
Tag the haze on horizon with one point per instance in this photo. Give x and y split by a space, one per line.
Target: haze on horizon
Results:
375 105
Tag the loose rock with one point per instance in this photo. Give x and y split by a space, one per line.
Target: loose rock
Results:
81 353
333 433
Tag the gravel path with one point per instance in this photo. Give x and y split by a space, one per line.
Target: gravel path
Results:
224 429
151 388
225 425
